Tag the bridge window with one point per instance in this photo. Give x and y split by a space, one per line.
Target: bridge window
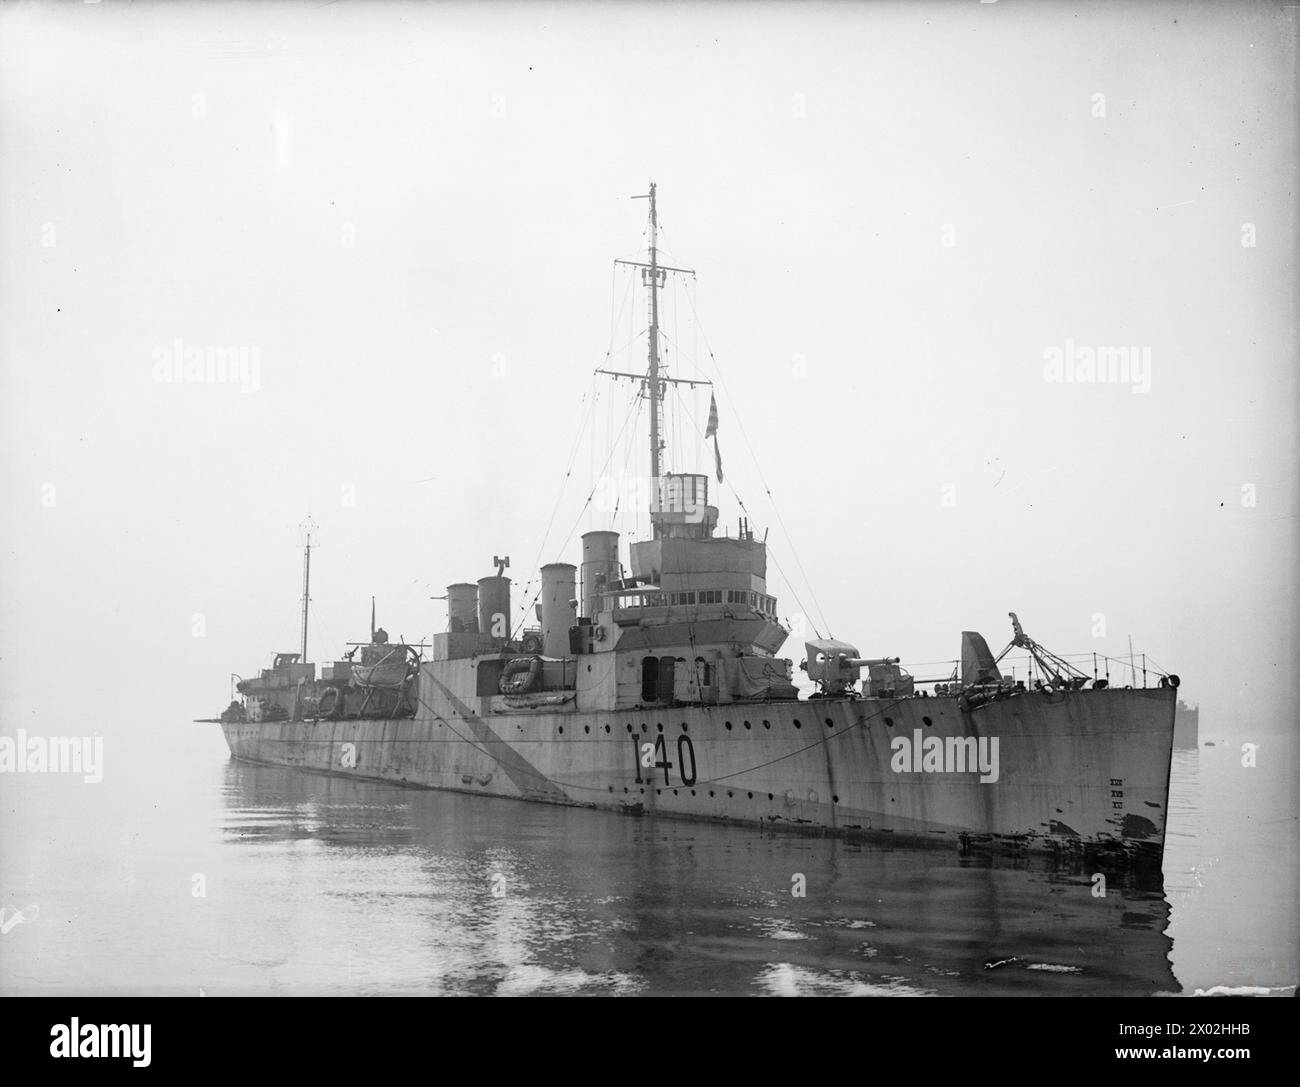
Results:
711 596
703 672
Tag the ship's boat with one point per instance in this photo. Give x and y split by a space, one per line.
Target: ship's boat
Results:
653 686
384 665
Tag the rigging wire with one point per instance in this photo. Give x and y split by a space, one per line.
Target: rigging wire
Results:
587 502
698 328
695 362
590 398
762 479
676 433
621 483
789 584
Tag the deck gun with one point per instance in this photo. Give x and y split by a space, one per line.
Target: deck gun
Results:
836 666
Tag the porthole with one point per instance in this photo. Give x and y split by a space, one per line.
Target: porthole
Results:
685 727
561 730
889 722
927 720
643 728
751 796
797 724
586 728
660 727
830 723
607 728
747 724
835 800
769 796
767 724
629 728
728 725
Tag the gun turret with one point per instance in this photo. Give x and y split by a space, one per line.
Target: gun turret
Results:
837 666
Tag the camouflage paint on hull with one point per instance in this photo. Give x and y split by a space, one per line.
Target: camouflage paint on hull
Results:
1076 773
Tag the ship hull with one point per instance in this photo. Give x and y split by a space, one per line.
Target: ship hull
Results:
1072 774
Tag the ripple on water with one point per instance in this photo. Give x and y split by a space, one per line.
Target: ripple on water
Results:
786 979
528 979
774 928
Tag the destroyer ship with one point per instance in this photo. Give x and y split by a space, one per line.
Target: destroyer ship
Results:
652 686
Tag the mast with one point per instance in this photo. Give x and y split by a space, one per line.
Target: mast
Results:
655 275
308 526
654 345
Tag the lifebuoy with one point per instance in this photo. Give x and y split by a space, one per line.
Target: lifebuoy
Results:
521 676
328 706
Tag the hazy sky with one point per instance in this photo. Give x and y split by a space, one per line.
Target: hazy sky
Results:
406 215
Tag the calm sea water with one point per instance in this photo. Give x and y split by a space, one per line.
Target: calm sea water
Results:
183 871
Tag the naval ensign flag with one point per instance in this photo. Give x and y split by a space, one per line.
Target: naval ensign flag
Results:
711 431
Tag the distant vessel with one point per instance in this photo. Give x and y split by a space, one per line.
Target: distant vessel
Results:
1187 724
655 689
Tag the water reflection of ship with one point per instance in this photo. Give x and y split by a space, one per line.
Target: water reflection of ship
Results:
1187 720
595 904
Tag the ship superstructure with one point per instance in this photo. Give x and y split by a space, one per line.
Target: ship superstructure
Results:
653 686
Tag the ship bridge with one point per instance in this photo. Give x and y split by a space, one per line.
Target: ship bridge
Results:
688 586
694 621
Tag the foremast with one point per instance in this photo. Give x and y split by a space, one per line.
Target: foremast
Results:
655 279
655 275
